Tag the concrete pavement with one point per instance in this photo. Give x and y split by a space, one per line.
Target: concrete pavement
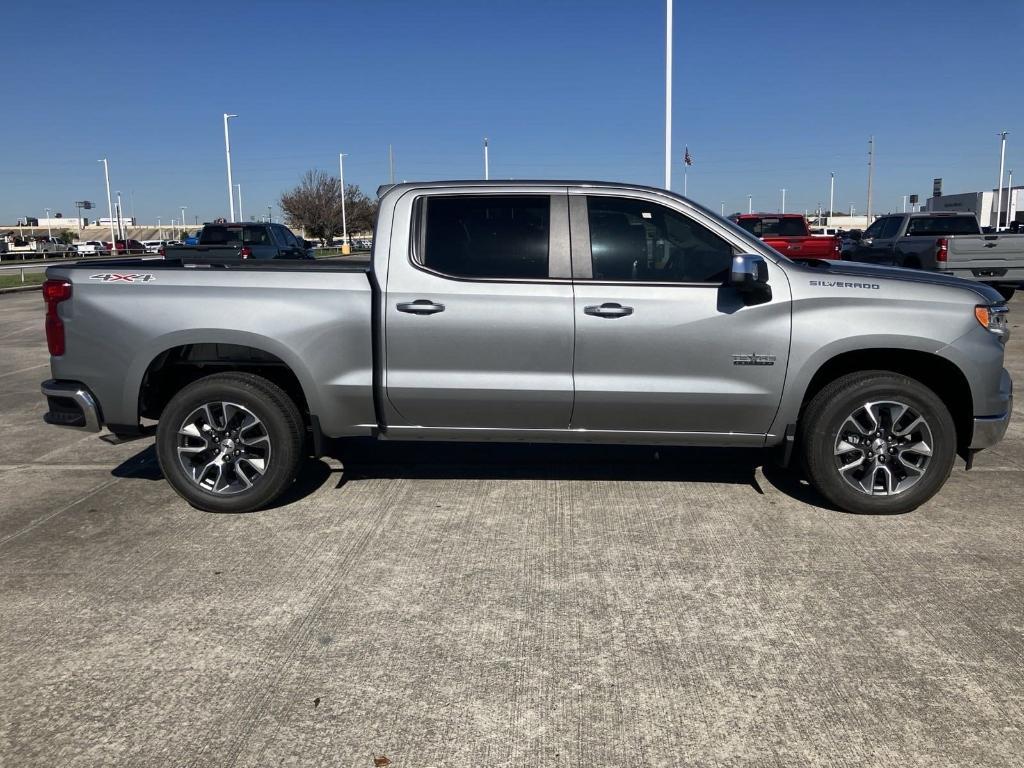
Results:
490 606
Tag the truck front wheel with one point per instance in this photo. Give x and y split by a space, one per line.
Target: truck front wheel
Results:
877 442
230 442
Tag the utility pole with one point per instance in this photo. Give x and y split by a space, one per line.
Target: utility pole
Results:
487 162
391 164
227 154
871 172
183 222
1002 160
831 194
750 203
241 216
344 222
1009 198
783 190
120 218
110 205
668 94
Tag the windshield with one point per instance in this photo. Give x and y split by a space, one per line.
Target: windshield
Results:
774 227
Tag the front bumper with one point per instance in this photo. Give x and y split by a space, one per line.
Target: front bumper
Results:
71 404
989 430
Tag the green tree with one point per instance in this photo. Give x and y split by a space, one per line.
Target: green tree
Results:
66 236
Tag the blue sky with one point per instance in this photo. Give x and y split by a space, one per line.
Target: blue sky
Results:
767 95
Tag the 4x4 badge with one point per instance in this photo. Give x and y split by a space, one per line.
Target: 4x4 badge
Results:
119 277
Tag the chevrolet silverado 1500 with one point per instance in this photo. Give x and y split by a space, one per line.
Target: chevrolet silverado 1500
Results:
534 311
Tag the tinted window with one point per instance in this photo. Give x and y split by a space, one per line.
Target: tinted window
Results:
774 227
217 234
874 229
637 240
943 225
890 226
484 236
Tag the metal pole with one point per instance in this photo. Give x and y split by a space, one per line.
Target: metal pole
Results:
1002 160
391 164
685 190
227 154
904 203
1009 198
668 94
750 203
120 218
341 177
723 209
159 228
241 216
270 216
49 232
183 224
831 194
871 172
487 162
783 190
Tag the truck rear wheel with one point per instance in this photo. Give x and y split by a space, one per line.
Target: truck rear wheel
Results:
230 442
877 442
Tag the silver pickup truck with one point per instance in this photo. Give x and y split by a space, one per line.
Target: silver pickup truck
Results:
946 242
534 311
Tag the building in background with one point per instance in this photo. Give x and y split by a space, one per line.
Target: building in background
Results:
981 204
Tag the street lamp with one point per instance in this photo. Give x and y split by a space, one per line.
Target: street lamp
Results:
120 218
183 216
783 190
270 216
723 209
750 203
344 221
110 205
487 162
241 216
227 154
49 233
159 229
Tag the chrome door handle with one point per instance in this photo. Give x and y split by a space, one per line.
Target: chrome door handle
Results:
608 310
420 307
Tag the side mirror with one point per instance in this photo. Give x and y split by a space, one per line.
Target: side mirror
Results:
749 276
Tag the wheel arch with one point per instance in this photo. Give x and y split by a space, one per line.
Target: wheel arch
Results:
937 373
179 359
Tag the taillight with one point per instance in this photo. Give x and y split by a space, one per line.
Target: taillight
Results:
54 292
942 249
161 251
246 252
837 247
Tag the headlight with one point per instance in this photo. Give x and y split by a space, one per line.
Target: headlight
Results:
993 318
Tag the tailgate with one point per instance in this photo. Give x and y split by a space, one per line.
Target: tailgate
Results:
804 247
987 255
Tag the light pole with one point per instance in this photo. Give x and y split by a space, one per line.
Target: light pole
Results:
120 217
159 228
487 162
49 234
783 191
831 194
668 94
851 210
723 209
270 217
227 154
110 205
904 203
241 216
344 221
871 171
1009 197
1002 160
183 216
750 203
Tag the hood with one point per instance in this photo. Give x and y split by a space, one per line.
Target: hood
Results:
822 268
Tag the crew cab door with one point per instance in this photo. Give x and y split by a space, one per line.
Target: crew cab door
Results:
879 241
478 316
663 346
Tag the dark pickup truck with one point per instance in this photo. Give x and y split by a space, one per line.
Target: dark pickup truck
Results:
242 240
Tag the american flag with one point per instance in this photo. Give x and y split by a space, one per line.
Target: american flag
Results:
687 160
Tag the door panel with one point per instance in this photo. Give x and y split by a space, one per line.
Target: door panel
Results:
672 357
480 353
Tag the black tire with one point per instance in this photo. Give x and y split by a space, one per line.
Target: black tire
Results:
277 418
830 411
1006 291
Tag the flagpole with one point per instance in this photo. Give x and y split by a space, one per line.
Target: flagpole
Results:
684 180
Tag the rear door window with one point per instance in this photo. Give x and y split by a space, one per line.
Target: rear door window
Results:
216 234
943 225
485 236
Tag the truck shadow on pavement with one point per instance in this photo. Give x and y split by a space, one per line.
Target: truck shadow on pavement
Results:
369 459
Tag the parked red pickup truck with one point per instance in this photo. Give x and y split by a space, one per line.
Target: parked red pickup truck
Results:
789 234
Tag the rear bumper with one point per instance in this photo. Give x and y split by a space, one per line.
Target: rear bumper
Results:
71 404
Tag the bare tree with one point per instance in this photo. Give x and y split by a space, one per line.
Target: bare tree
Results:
315 207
